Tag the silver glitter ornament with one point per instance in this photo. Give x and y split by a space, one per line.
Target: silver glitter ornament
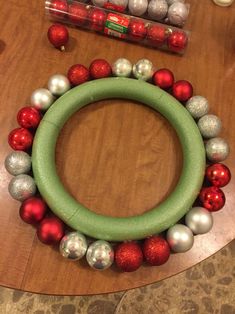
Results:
157 9
42 99
137 7
58 84
120 3
199 220
99 3
217 149
100 255
143 69
198 106
22 187
18 163
178 14
122 68
73 246
170 2
209 126
180 238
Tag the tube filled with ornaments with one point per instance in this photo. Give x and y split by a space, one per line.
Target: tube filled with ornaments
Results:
119 25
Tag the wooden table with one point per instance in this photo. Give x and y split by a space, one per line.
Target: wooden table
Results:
116 159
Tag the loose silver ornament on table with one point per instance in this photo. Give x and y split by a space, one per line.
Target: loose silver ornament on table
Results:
157 9
42 99
223 3
198 106
58 84
18 163
99 3
100 255
180 238
73 246
199 220
217 149
209 126
120 3
143 69
22 187
178 14
122 68
138 7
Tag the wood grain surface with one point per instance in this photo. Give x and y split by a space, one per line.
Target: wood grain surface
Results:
116 157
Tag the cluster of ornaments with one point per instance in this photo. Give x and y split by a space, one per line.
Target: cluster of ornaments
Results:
128 256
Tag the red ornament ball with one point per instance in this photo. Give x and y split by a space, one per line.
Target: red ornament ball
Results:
50 230
97 19
218 175
33 210
29 117
177 41
137 29
128 256
78 14
182 90
163 78
212 198
20 139
58 8
78 74
156 250
58 35
156 35
100 68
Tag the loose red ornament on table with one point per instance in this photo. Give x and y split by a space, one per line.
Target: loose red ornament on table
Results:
33 210
128 256
163 78
78 14
182 90
20 139
177 41
156 35
156 250
218 175
100 68
29 117
58 8
97 19
58 36
137 29
78 74
212 198
50 230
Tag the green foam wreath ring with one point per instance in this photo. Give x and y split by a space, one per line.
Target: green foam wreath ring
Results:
104 227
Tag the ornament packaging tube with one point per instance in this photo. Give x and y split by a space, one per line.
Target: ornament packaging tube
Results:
119 25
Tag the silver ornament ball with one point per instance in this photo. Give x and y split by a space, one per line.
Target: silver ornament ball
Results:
100 255
170 2
58 84
42 99
122 68
178 14
199 220
138 7
198 106
180 238
217 149
209 126
120 3
157 9
22 187
18 163
73 246
143 69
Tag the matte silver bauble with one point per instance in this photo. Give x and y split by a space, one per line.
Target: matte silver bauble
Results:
178 14
217 149
170 2
138 7
143 70
100 255
122 68
42 99
58 84
22 187
18 163
120 3
198 106
73 246
209 126
157 9
199 220
180 238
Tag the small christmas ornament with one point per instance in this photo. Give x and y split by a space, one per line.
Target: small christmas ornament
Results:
199 220
217 149
100 255
78 13
42 99
182 90
58 8
156 250
50 231
100 68
177 41
18 163
223 3
128 256
137 7
78 74
157 9
163 78
22 187
218 175
143 70
170 2
156 34
20 139
99 3
73 246
178 14
212 198
58 84
122 68
58 36
180 238
28 117
33 210
97 19
209 125
198 106
120 4
137 29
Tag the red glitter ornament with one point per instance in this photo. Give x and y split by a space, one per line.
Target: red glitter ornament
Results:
78 74
97 19
33 210
137 29
218 174
58 8
163 78
128 256
212 198
58 36
156 250
182 90
156 34
29 117
78 13
100 68
50 230
177 41
20 139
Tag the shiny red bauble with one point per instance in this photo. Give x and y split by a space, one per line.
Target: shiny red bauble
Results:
51 230
97 19
163 78
156 35
128 256
20 139
58 8
100 68
212 198
58 35
182 90
78 74
78 14
33 210
156 250
137 29
218 175
177 41
29 117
